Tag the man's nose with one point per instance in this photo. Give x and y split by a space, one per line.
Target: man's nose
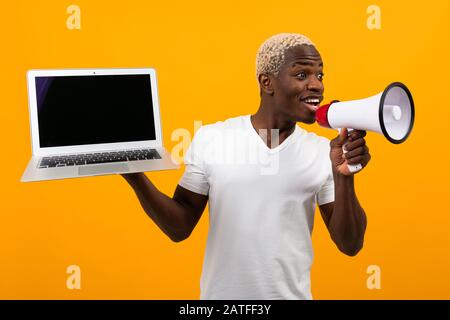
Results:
314 84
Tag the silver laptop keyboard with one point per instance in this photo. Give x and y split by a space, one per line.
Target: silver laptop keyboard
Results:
98 157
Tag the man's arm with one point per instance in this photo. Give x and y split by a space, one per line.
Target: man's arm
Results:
176 216
345 218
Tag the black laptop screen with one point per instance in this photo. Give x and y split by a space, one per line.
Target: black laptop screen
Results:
80 110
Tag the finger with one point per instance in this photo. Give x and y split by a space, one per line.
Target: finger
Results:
343 135
356 134
357 152
354 144
356 160
362 159
366 161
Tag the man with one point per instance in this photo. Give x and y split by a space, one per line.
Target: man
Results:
259 240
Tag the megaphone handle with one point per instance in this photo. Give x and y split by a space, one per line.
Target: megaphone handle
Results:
351 167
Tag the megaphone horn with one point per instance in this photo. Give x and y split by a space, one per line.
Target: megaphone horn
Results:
390 113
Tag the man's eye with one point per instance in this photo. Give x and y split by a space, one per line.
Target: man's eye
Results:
301 75
320 76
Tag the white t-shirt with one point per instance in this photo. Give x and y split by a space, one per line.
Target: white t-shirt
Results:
261 208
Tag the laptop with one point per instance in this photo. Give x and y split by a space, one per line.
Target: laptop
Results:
89 122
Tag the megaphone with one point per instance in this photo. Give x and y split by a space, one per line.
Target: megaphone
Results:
390 113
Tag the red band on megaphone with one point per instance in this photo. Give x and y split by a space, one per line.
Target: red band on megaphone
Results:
322 115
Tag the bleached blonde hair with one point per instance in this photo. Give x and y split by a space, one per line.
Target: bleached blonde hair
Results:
271 54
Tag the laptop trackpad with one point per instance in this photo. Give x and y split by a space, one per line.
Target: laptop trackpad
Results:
103 169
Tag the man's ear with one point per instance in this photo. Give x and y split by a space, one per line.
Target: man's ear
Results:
266 84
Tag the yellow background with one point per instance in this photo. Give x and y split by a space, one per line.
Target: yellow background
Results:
204 53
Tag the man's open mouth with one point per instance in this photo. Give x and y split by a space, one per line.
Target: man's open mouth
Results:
312 102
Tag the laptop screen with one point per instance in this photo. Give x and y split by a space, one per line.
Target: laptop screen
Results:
80 110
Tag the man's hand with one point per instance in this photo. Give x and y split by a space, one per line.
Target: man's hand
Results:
131 177
176 216
357 151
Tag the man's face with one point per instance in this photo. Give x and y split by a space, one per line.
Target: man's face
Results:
298 88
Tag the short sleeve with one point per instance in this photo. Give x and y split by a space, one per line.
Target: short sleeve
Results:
326 191
195 178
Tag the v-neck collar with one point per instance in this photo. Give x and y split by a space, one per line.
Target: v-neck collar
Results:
289 139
